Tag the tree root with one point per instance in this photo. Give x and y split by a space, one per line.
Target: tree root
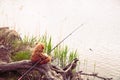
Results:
45 71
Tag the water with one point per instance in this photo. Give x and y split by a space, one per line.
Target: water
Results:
97 42
104 61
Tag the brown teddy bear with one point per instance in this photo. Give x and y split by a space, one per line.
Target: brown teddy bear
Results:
38 54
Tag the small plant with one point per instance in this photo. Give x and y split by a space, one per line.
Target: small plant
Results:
21 55
49 46
63 56
29 40
72 55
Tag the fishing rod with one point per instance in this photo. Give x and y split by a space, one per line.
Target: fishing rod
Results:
50 51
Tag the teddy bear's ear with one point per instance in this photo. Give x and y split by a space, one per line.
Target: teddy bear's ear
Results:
36 43
40 45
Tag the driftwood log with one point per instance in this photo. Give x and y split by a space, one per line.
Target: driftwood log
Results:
49 71
45 71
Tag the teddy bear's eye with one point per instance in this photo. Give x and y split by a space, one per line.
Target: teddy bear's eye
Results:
42 47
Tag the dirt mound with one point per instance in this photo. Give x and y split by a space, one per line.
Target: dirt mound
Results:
7 37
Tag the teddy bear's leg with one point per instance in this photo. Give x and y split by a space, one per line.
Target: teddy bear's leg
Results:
48 59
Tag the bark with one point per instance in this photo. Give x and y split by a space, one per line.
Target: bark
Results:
50 71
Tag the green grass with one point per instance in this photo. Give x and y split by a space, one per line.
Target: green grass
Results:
29 40
61 54
72 55
21 55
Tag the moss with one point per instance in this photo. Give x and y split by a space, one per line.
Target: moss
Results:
21 55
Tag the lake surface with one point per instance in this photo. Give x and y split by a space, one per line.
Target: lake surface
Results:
97 42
